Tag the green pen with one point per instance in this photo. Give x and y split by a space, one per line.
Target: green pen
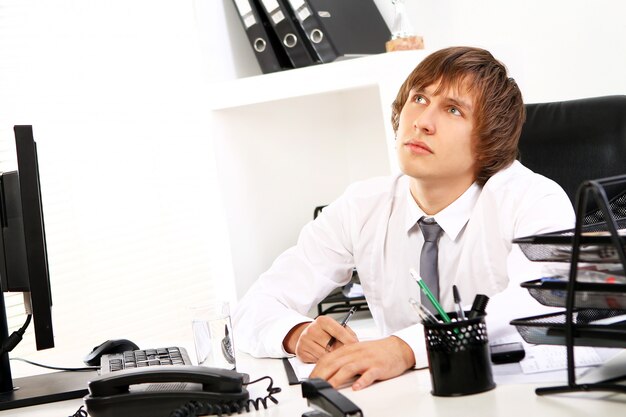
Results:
430 296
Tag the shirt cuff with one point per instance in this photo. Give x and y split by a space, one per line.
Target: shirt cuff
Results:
277 332
414 337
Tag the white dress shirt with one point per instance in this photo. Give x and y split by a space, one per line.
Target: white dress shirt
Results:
372 227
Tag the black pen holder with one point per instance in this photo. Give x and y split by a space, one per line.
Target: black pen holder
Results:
458 356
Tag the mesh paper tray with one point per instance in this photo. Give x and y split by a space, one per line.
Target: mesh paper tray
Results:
549 329
595 244
553 293
596 249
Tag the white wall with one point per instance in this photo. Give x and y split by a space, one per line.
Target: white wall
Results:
558 49
117 92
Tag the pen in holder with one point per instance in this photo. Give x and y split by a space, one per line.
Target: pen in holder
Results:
458 356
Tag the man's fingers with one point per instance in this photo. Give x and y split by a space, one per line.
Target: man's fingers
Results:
342 334
332 363
332 328
345 375
310 353
348 328
311 347
313 341
365 380
346 341
347 336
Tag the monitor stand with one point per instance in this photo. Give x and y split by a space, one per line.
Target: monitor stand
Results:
46 388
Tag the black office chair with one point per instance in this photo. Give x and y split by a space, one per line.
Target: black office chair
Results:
576 140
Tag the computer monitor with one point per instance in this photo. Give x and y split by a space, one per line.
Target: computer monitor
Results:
24 268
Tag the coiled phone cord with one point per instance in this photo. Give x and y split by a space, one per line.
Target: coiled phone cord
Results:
199 408
80 412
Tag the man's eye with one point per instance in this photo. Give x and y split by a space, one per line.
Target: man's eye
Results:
419 99
455 111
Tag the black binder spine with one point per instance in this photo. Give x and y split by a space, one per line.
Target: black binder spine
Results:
355 27
319 43
267 49
288 32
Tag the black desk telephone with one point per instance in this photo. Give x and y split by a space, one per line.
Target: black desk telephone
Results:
158 391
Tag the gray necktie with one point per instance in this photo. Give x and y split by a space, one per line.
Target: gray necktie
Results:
429 270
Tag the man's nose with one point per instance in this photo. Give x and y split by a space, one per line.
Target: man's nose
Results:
426 120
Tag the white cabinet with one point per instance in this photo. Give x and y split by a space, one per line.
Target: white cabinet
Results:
289 141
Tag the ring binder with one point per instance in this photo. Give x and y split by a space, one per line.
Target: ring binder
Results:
267 50
354 27
288 32
320 45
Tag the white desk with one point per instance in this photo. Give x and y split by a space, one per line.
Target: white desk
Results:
407 395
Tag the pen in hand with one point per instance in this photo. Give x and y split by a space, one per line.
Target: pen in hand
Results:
344 322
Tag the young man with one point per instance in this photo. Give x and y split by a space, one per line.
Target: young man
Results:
457 119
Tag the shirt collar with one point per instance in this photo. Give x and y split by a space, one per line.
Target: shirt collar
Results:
452 219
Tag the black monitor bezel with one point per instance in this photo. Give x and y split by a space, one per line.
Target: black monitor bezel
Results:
34 236
58 386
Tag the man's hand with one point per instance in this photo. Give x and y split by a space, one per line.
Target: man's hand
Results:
373 360
309 340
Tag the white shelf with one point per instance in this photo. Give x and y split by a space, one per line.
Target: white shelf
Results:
289 141
379 70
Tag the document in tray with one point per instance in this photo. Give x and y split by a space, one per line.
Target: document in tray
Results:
546 358
588 253
620 232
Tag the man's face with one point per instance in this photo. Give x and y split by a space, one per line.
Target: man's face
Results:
433 140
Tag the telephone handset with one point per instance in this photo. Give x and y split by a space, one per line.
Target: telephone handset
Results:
156 391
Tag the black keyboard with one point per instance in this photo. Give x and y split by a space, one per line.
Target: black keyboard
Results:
144 357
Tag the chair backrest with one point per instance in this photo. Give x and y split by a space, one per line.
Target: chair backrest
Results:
576 140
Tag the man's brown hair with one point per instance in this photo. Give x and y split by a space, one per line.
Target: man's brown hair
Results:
498 107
